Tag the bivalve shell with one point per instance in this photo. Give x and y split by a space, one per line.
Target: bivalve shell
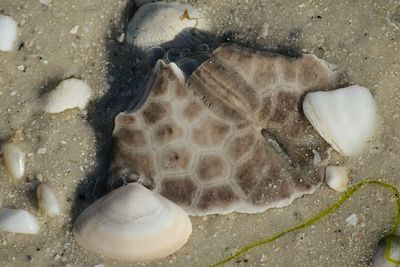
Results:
337 178
346 118
47 200
14 159
8 33
133 223
70 93
18 221
177 24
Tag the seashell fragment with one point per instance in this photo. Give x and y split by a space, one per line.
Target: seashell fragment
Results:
352 219
337 178
71 93
47 200
8 33
157 23
18 221
346 118
387 253
14 159
133 223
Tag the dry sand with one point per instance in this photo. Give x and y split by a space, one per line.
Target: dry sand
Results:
362 37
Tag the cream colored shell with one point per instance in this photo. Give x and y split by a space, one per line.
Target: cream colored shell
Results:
133 223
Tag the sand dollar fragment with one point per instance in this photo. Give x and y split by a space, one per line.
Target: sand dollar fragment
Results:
230 138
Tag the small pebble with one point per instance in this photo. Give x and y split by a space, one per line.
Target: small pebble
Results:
75 29
42 150
21 67
8 33
121 38
352 219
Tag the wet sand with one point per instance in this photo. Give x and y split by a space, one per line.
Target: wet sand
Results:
361 37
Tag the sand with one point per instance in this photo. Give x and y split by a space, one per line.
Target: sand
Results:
361 37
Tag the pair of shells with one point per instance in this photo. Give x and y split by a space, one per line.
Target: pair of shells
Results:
21 221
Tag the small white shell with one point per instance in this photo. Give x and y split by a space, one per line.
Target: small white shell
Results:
352 219
157 23
379 260
71 93
337 178
14 159
47 200
18 221
346 118
133 223
8 33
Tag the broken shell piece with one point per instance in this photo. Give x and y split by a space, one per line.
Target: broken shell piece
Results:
18 221
387 253
14 159
158 23
346 118
352 219
337 178
47 200
133 223
8 33
71 93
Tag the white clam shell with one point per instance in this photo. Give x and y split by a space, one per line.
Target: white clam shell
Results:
379 260
133 223
14 159
8 33
18 221
157 23
47 200
346 118
70 93
337 178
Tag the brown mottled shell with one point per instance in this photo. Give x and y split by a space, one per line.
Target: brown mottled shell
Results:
230 138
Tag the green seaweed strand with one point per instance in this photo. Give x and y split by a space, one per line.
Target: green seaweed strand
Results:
323 214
